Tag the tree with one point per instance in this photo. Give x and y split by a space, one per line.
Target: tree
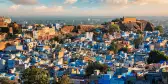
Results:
10 36
156 56
113 28
16 28
165 75
124 49
116 20
55 39
96 66
64 80
68 36
58 39
160 29
113 47
138 41
139 32
105 23
4 80
35 75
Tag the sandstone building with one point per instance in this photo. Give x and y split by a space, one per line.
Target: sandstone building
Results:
129 19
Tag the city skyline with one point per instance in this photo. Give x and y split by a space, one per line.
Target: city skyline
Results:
84 7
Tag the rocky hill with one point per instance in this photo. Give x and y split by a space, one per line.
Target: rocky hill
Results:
124 26
67 29
135 26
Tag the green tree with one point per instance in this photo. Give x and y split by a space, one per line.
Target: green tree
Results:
160 29
113 28
16 28
20 31
124 49
138 41
35 75
55 39
58 39
10 36
96 66
116 20
165 75
113 47
4 80
105 23
139 32
68 36
64 80
156 56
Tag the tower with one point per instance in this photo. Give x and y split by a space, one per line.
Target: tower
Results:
11 30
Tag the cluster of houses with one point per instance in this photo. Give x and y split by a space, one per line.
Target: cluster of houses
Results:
34 48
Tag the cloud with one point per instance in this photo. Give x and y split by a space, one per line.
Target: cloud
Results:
115 2
14 7
133 2
150 2
49 9
24 2
41 8
70 1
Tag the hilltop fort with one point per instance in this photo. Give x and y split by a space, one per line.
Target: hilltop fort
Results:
129 19
133 24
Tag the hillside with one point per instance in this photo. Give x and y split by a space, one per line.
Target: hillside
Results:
134 26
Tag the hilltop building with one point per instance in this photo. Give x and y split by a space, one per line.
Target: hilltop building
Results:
125 20
4 25
4 21
129 19
45 33
67 29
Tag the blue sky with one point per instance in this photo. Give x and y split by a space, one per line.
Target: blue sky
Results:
83 7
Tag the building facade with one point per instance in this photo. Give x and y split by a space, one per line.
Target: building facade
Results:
129 19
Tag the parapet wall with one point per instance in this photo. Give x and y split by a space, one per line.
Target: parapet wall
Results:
127 20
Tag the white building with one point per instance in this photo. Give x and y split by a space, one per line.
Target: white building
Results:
7 20
58 26
89 35
2 64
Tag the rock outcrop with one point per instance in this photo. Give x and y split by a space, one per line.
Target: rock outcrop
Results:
67 29
135 26
84 28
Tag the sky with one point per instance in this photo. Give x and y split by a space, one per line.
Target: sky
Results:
84 7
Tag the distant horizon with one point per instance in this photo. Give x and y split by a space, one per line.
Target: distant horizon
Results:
75 20
35 17
88 16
